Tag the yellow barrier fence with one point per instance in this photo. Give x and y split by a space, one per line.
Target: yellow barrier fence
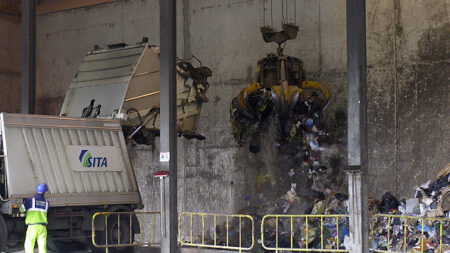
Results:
217 231
411 226
303 230
118 229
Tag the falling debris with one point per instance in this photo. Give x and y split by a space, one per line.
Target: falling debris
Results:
281 90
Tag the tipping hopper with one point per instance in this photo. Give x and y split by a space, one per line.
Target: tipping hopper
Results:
124 82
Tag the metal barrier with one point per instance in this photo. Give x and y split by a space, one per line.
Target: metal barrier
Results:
296 247
232 231
404 220
117 229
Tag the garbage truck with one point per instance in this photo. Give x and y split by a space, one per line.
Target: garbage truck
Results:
82 154
85 164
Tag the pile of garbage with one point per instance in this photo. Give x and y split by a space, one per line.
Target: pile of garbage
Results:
307 180
278 230
432 199
314 184
412 235
307 234
431 202
315 189
429 232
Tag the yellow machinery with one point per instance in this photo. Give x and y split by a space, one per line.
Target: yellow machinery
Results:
280 89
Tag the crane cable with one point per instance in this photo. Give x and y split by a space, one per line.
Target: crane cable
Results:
271 13
295 11
284 12
264 13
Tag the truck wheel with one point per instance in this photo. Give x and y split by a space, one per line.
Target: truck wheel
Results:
100 239
3 234
113 233
56 245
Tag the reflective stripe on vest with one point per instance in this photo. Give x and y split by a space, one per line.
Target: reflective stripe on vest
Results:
34 208
37 213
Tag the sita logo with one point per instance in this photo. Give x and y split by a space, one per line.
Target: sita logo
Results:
89 161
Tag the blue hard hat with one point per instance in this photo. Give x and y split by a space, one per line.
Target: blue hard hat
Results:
309 122
42 188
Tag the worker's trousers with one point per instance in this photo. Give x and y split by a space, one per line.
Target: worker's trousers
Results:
36 233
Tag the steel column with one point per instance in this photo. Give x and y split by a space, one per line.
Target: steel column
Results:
28 56
357 124
355 210
168 137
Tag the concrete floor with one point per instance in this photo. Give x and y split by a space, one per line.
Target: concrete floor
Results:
144 250
136 250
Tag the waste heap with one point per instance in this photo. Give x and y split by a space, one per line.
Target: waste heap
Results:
304 233
313 183
425 225
403 234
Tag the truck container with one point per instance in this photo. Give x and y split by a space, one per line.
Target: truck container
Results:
123 81
85 163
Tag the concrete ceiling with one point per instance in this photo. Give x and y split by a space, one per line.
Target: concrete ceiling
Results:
13 7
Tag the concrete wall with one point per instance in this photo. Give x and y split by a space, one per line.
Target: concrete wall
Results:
408 68
10 63
226 35
63 39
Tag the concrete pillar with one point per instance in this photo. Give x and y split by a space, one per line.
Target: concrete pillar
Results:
355 211
357 124
168 129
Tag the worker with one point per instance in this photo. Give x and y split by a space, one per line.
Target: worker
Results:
36 208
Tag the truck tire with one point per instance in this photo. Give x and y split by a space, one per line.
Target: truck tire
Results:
3 235
113 226
100 239
56 245
113 233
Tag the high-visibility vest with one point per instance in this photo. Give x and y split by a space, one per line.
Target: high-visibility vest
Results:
36 209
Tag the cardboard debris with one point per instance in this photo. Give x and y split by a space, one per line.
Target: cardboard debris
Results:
444 171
